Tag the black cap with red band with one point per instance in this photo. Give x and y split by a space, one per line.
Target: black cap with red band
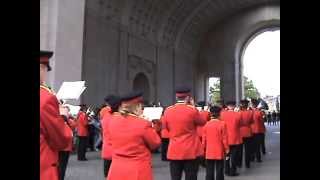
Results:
44 58
132 98
183 92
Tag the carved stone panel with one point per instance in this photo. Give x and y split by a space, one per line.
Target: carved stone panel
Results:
138 65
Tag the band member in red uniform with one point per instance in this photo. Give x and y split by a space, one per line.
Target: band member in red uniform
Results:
106 108
82 132
113 102
156 124
257 129
246 133
132 139
64 155
233 123
215 141
55 135
205 114
181 120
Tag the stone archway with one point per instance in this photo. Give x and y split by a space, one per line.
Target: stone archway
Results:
243 43
141 83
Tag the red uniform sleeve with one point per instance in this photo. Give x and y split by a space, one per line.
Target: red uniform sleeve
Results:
241 119
72 123
204 137
83 120
163 120
57 132
198 119
225 138
151 137
251 118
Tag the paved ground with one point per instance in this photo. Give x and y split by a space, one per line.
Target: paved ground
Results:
269 169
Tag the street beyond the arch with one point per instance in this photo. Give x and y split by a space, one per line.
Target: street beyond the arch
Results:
269 169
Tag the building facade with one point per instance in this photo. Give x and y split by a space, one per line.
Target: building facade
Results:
152 45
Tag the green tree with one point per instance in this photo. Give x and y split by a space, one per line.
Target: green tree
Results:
214 92
250 91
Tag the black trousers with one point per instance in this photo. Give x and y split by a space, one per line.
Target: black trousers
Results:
164 148
240 154
214 170
247 148
63 162
258 140
106 166
190 168
231 163
82 148
90 139
269 121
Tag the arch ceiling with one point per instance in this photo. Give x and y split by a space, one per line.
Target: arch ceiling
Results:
171 23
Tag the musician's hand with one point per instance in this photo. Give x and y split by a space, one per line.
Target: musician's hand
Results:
155 120
64 111
192 101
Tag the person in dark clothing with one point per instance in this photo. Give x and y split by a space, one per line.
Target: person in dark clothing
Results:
91 130
278 117
274 115
269 118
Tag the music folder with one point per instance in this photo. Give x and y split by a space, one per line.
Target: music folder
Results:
152 113
71 90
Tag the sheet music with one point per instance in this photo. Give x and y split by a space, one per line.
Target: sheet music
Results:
71 90
199 108
152 112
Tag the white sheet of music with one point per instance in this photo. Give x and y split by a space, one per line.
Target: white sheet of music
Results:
152 112
71 90
199 108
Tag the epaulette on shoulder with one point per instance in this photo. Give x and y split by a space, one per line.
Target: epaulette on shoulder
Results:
47 89
193 107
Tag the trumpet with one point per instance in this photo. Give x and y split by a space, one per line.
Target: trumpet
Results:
90 112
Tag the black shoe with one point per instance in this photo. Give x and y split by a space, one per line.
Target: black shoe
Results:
248 166
259 161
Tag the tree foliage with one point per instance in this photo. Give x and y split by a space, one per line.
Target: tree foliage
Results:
250 91
215 92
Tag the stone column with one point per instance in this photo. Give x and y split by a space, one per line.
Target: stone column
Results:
61 31
228 84
122 69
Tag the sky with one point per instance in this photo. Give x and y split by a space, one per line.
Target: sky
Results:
261 63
